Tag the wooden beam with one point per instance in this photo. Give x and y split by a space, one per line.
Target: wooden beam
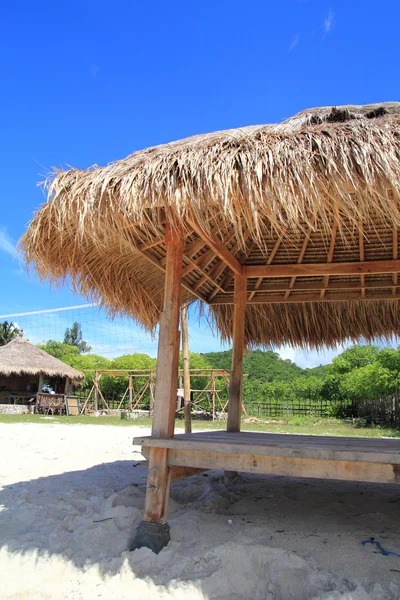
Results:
362 258
277 444
157 264
214 273
190 250
345 284
315 269
221 266
330 255
301 255
238 347
286 466
183 472
242 259
219 248
301 298
200 264
269 261
167 372
194 247
152 244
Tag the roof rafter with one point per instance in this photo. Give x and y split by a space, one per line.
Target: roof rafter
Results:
320 286
330 254
306 298
362 258
219 248
219 271
314 269
269 261
301 255
157 264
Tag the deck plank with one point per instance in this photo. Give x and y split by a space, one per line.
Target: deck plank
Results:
289 445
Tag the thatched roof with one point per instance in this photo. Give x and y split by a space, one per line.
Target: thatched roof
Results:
322 187
19 357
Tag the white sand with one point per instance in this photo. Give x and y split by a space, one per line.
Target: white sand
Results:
289 539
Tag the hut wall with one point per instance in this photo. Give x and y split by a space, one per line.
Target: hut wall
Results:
19 383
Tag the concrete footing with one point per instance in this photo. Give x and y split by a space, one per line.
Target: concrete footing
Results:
151 535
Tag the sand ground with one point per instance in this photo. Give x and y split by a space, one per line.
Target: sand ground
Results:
71 498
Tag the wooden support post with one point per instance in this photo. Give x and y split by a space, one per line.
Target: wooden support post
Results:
213 395
186 369
153 531
235 387
96 392
40 383
151 407
130 392
236 381
67 386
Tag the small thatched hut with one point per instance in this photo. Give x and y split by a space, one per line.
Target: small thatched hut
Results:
289 233
24 368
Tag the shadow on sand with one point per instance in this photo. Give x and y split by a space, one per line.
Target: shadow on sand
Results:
263 537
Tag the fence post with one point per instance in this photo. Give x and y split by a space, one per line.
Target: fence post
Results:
96 392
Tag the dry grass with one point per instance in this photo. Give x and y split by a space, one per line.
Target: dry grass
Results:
312 325
322 166
20 357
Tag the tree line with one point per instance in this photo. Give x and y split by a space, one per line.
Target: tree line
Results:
362 372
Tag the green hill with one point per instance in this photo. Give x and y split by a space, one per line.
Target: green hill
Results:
257 364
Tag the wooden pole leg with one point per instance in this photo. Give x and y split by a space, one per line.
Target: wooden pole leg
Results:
238 347
153 531
186 369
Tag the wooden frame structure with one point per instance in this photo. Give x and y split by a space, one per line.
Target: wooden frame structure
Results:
134 396
96 400
170 457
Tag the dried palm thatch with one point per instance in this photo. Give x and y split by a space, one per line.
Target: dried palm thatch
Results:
19 357
292 184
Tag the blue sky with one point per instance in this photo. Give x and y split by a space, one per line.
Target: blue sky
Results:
89 82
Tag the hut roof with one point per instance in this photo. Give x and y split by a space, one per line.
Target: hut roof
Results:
304 206
20 357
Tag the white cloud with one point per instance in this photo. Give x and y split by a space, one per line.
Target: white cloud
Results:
328 23
311 358
294 42
6 244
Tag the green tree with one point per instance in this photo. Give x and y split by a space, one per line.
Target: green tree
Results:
390 359
131 362
59 350
134 362
89 363
369 382
8 332
354 358
73 337
308 388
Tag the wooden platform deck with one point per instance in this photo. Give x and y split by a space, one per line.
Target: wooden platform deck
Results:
359 459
